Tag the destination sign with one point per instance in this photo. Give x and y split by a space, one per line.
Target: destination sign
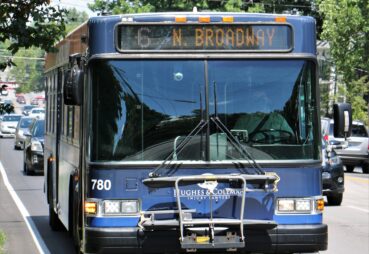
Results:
204 37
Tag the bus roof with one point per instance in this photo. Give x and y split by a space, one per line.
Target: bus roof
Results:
103 27
101 31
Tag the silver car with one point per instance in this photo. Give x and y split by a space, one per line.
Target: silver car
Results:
8 124
356 153
21 130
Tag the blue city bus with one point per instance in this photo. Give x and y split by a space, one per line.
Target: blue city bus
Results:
186 132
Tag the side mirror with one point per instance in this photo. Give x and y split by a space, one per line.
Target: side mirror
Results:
342 116
27 133
73 86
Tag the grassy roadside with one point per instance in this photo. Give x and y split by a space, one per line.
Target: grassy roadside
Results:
2 241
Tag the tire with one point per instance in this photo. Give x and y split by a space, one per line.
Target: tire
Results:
335 200
350 168
365 168
27 171
25 168
54 221
76 234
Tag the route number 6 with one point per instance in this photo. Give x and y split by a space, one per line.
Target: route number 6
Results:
100 184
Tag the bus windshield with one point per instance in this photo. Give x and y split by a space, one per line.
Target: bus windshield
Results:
142 110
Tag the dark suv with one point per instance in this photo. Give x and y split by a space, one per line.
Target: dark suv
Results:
34 148
332 175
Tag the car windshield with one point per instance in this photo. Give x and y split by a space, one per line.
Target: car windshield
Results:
38 111
25 122
38 129
11 118
143 110
28 107
358 130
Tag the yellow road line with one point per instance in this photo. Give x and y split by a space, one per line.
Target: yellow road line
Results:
357 179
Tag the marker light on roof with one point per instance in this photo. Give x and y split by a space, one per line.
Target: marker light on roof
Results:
228 19
181 19
280 19
204 19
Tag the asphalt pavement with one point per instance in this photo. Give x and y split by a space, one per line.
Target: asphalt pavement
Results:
13 224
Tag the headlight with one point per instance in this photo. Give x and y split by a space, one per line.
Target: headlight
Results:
310 205
111 207
97 207
335 160
20 132
130 206
36 146
326 175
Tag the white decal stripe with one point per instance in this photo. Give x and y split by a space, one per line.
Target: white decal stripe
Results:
40 244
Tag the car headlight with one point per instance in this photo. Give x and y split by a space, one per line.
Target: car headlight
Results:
335 160
326 175
36 146
20 132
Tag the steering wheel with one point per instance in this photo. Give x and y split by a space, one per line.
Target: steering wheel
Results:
270 136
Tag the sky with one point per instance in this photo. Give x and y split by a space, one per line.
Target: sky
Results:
80 5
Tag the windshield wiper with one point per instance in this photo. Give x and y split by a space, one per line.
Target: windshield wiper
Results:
233 140
177 150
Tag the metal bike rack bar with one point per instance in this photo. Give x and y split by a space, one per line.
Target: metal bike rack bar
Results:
212 241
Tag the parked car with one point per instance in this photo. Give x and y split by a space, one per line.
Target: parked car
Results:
34 102
333 179
357 151
33 154
8 124
4 92
22 127
37 113
26 109
20 99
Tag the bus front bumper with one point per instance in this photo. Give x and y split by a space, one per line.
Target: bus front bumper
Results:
282 239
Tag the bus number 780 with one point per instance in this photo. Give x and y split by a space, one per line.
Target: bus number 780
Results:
100 184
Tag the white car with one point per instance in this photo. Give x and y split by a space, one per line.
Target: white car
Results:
8 124
4 92
38 113
357 151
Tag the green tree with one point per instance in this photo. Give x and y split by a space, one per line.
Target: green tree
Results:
28 70
135 6
75 18
29 23
29 62
346 27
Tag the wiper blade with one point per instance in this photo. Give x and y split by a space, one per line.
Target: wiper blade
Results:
177 150
232 139
167 162
236 144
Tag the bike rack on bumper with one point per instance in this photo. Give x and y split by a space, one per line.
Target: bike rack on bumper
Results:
208 233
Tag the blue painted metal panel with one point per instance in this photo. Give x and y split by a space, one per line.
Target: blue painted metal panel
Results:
112 222
295 182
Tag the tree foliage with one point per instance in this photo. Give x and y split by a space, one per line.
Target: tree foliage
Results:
28 69
346 27
29 23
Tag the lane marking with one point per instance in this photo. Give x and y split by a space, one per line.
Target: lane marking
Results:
358 208
40 244
357 179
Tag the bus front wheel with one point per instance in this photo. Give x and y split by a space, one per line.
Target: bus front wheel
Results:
54 221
